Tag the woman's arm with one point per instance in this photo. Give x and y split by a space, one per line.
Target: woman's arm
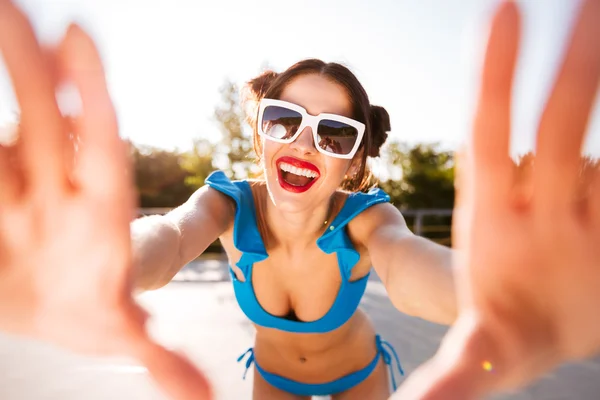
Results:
416 272
163 244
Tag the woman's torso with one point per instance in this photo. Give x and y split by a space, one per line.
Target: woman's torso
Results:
302 284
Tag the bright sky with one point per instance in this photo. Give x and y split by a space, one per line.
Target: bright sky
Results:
166 59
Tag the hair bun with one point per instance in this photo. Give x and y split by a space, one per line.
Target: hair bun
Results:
258 86
379 120
253 91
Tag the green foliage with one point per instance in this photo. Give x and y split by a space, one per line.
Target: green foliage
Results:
427 177
237 142
167 179
198 163
159 177
427 183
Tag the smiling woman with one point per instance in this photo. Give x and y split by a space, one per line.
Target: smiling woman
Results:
300 247
301 241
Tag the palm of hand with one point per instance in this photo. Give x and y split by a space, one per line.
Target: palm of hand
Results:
80 217
530 234
531 281
83 302
65 256
527 237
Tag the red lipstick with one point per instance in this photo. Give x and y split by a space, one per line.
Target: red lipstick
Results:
298 164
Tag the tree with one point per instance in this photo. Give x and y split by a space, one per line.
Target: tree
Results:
427 183
198 163
237 142
427 177
160 177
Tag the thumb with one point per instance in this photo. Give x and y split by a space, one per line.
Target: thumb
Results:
461 167
174 373
466 367
463 195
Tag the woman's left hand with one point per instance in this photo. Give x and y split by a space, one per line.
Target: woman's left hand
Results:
528 239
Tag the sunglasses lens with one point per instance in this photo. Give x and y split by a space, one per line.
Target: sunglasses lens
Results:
280 122
336 137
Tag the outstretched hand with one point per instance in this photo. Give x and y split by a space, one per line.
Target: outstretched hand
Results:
65 257
528 239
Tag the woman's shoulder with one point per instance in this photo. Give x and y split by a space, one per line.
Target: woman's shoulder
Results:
373 192
353 210
220 176
357 203
381 215
245 193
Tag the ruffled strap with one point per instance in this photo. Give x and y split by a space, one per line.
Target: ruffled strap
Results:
246 237
335 239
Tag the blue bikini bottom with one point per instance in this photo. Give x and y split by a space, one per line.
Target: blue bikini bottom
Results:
342 384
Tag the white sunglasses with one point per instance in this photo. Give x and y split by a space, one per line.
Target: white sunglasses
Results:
334 135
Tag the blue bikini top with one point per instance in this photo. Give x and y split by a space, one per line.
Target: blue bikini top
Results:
248 241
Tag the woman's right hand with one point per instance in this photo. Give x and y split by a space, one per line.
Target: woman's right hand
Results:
65 253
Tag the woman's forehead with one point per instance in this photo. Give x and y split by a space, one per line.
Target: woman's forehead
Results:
318 94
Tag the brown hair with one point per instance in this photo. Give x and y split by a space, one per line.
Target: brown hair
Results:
270 84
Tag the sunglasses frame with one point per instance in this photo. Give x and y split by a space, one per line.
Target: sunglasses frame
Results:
311 121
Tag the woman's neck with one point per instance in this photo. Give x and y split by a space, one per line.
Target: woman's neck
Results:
298 230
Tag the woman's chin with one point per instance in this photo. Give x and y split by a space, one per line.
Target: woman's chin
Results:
288 200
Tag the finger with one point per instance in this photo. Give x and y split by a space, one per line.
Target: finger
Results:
102 157
56 66
594 202
446 385
49 58
565 118
7 179
484 354
41 123
460 176
463 196
174 374
101 173
455 372
468 365
523 189
69 136
491 134
11 176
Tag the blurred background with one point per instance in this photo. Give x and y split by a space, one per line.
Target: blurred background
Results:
175 69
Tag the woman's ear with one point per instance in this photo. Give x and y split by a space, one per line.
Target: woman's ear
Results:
354 166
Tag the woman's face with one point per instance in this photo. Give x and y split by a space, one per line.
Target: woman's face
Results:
294 192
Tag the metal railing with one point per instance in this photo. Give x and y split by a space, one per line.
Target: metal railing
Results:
153 211
417 217
421 229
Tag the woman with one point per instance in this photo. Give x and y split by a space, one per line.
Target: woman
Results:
527 268
299 247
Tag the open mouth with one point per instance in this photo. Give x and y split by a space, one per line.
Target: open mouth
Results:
296 175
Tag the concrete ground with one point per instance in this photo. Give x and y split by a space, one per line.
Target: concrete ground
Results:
197 312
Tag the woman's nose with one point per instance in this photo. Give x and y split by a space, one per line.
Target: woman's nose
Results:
304 142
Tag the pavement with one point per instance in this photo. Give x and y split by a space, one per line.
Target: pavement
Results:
197 313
